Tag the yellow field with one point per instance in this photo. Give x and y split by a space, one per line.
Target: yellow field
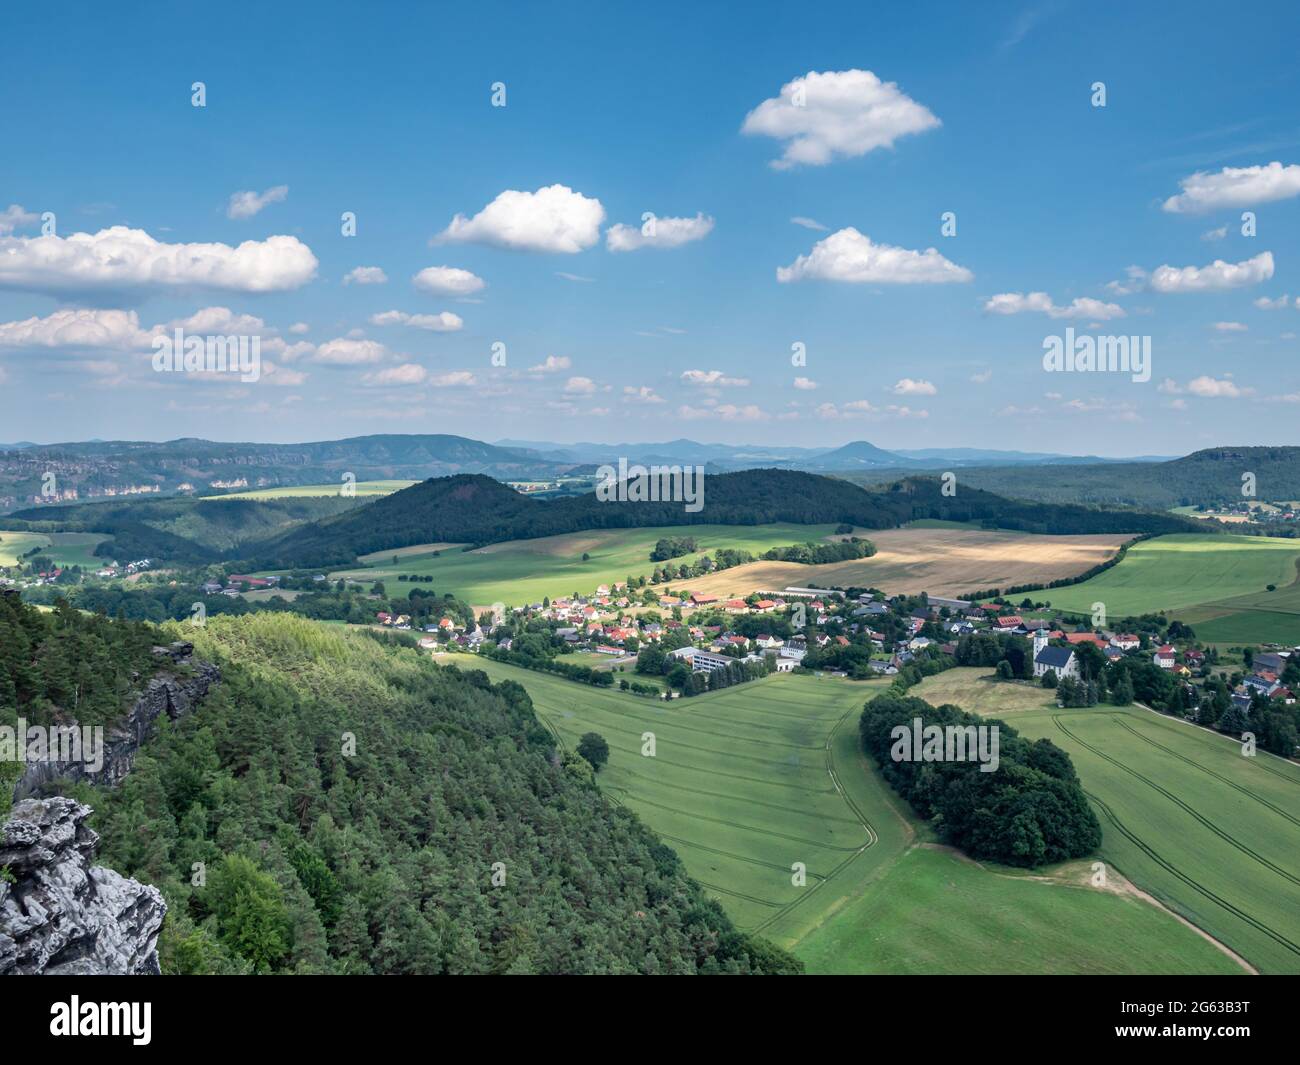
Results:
938 561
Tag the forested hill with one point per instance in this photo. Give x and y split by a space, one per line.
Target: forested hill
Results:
357 809
476 509
1210 476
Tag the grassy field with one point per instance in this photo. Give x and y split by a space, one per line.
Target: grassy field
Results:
1212 834
1215 583
524 571
363 488
943 558
748 781
66 549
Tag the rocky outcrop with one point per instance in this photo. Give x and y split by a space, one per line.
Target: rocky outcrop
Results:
61 916
170 693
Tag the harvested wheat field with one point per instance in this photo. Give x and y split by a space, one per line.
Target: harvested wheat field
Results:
939 561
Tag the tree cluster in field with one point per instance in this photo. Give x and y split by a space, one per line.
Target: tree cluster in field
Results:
357 809
667 547
815 554
1028 812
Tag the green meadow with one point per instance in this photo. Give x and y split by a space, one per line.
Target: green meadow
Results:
1201 578
66 549
1212 834
526 571
749 782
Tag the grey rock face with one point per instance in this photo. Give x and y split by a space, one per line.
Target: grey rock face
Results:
167 693
59 915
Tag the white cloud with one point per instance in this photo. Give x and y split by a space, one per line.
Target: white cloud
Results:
366 275
552 219
908 387
573 277
579 386
120 258
1228 327
1207 387
906 412
1278 304
248 203
443 322
454 379
14 217
809 223
1081 307
664 233
804 384
1137 280
836 114
408 373
1218 275
712 379
848 255
299 328
70 328
552 364
642 394
447 281
1235 187
727 412
1215 234
344 351
982 377
275 374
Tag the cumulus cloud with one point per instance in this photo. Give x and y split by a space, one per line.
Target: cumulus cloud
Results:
658 233
120 258
408 373
246 204
299 327
848 255
76 328
836 114
1235 187
444 322
552 364
641 394
1207 387
275 374
982 377
805 384
454 379
1217 276
345 351
365 275
712 379
579 386
447 281
552 219
908 387
14 217
1081 307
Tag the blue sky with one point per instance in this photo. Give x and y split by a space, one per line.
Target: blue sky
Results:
887 120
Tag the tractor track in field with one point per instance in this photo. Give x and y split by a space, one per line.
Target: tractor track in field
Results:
735 776
1118 719
708 750
1205 821
758 831
735 857
748 802
720 735
872 836
1169 867
1260 763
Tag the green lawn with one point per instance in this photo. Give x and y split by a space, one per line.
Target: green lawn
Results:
750 780
525 571
66 549
1213 834
363 488
1183 571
